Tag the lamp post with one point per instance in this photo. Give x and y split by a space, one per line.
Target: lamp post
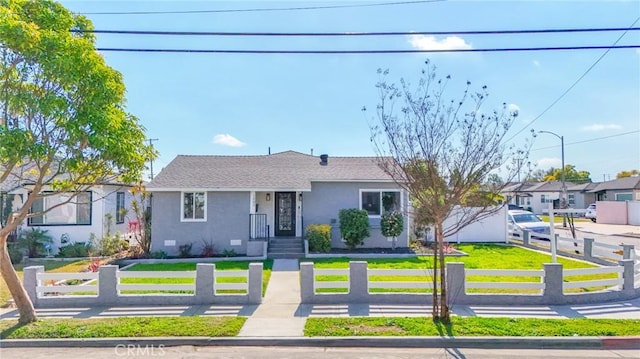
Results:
563 196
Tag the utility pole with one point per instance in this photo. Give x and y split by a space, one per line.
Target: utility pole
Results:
151 140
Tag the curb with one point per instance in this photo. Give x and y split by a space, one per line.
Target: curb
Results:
632 342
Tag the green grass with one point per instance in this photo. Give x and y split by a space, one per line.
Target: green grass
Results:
480 256
470 326
185 266
558 219
123 327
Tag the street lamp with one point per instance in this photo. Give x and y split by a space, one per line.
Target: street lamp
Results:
563 199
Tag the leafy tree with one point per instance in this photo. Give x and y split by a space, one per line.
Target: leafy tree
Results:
629 173
63 124
141 206
536 176
570 175
443 153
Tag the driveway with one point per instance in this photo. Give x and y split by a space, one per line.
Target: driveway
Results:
607 233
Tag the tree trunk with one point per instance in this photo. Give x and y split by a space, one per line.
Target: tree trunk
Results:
445 315
19 294
435 312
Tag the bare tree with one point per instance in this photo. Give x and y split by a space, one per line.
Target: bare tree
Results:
444 153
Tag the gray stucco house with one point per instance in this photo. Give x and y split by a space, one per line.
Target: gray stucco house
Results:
230 200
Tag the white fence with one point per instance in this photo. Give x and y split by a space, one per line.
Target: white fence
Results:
548 286
205 285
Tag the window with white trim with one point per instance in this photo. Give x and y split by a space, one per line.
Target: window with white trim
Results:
624 196
194 206
62 210
379 202
543 198
120 211
572 199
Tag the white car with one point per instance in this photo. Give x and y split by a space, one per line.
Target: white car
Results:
591 212
520 220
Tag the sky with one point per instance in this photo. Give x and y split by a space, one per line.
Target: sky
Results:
246 104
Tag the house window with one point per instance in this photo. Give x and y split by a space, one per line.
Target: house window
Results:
543 198
60 209
194 206
624 196
378 202
572 199
120 210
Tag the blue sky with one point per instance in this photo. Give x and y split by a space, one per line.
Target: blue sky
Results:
245 103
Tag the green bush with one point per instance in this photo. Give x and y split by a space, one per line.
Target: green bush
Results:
74 250
354 226
108 245
16 253
35 242
392 224
184 250
319 237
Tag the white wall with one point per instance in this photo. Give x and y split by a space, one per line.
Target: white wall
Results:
633 213
490 229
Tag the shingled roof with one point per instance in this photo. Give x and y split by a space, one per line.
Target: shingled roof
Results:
625 183
288 170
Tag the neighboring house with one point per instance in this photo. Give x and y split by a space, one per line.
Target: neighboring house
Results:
516 193
75 221
536 196
229 200
621 189
580 196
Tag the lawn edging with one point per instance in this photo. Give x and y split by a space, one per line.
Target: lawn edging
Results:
632 342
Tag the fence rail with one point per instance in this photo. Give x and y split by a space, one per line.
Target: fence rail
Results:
209 286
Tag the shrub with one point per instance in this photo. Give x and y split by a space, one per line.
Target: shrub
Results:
392 224
354 226
158 255
208 249
319 237
229 253
16 253
109 244
35 242
74 250
184 250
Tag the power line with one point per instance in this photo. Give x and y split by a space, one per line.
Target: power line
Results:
345 52
392 33
588 140
298 8
575 82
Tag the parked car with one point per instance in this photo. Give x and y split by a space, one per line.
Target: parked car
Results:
519 220
591 212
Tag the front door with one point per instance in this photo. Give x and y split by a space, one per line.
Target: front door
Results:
285 214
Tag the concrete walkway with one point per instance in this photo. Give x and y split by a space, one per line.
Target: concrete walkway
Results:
276 316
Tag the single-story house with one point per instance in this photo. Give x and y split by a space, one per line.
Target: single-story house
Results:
536 196
620 189
229 200
91 212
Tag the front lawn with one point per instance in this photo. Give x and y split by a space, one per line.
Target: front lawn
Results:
558 219
123 327
187 266
470 326
480 256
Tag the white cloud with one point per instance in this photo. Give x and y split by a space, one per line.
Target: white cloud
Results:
596 127
546 163
536 63
226 139
424 42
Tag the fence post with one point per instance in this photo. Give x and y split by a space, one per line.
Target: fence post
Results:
553 288
358 282
255 283
31 282
307 290
204 282
306 247
108 284
456 282
628 274
525 237
588 248
627 249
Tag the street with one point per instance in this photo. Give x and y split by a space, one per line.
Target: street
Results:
604 233
305 352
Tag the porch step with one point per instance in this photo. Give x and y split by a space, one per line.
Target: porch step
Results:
285 248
